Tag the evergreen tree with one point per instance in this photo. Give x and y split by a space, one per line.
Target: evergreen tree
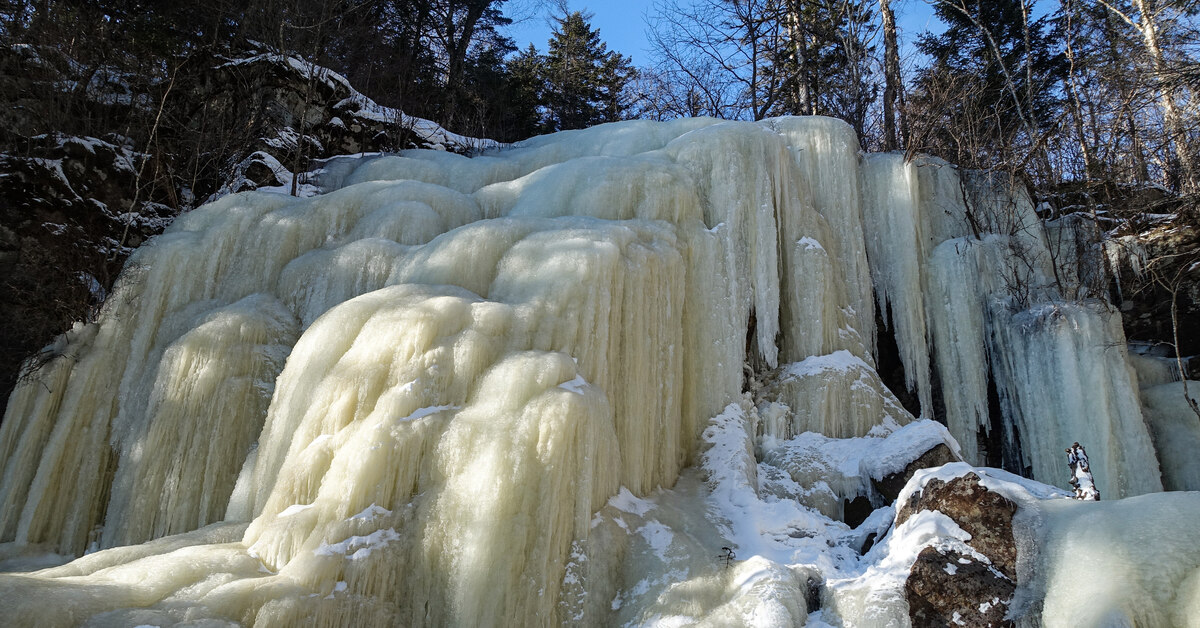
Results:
992 90
504 95
584 82
524 94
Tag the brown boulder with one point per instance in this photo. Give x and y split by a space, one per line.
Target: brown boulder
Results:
985 515
947 588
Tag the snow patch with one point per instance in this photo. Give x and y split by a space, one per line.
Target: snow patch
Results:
421 413
294 509
358 547
371 513
577 385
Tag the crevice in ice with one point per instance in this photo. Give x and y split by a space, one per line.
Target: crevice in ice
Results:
889 364
1000 441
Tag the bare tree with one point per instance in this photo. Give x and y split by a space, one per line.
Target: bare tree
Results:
715 55
757 58
1150 15
1171 273
893 91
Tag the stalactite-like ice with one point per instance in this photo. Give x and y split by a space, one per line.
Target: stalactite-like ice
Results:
962 266
1176 432
1061 376
459 391
215 376
892 206
569 311
828 153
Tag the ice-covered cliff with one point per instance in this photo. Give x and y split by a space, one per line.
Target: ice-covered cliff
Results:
548 384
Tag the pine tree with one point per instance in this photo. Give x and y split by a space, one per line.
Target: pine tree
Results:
584 82
525 89
825 66
992 90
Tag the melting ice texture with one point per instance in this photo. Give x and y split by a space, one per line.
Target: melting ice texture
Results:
408 401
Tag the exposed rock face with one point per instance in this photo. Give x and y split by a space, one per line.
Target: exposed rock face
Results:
889 487
1151 241
293 112
68 214
985 515
1157 261
947 587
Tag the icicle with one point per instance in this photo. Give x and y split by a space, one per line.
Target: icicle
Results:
892 206
828 154
1060 375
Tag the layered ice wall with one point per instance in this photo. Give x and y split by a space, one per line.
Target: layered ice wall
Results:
404 401
981 318
478 354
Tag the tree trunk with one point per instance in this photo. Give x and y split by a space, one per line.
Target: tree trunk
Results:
891 72
456 47
411 37
1089 165
796 32
1171 118
1125 117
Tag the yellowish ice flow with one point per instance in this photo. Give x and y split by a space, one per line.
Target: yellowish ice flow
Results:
411 400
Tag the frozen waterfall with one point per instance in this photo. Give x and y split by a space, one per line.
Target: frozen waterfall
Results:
546 384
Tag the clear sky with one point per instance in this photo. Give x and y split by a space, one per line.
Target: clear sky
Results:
622 23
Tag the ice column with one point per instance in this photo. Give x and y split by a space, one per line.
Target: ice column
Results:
1062 379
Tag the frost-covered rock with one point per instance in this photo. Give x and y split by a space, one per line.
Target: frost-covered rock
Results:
1165 248
983 514
949 588
837 471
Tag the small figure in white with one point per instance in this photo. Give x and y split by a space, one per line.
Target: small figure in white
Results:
1081 474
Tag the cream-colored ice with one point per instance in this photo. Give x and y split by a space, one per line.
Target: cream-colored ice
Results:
423 397
1133 562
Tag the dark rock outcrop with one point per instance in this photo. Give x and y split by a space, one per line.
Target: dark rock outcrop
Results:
94 162
70 210
1143 242
949 587
1162 259
889 486
985 515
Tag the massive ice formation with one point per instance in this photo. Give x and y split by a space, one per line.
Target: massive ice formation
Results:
456 391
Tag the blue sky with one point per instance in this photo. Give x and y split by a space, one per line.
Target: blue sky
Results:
622 24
